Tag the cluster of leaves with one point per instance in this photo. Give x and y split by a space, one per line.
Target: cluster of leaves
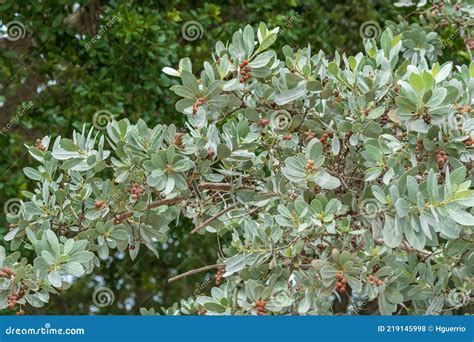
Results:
63 69
311 170
423 38
257 168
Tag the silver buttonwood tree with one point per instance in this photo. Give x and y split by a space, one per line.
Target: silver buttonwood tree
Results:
328 180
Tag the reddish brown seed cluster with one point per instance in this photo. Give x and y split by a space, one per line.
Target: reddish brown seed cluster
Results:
337 96
263 122
287 137
460 109
374 280
260 307
365 111
320 247
419 145
136 191
210 153
384 119
219 275
469 141
341 284
426 118
99 204
469 43
308 135
396 89
202 312
354 243
325 136
13 298
178 140
6 272
441 158
117 220
436 8
39 145
245 71
403 135
199 102
310 166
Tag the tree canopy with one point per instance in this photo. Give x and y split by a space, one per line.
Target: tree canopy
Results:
328 183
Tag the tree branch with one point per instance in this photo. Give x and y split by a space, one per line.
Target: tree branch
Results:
154 204
191 272
404 247
215 186
212 218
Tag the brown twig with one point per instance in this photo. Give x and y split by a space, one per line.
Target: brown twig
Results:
152 205
422 254
212 218
191 272
215 186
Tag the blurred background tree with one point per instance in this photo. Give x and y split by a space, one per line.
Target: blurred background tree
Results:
65 63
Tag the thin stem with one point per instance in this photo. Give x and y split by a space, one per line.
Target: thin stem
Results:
154 204
212 218
191 272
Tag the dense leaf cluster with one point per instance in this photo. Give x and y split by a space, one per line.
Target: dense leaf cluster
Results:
325 179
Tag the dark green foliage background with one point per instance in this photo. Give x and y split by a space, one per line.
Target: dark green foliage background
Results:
121 73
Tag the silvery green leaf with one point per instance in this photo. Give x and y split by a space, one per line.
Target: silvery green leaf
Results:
32 173
170 71
249 39
291 95
392 234
11 234
403 207
82 257
234 264
53 241
48 257
461 216
55 279
74 268
267 42
305 303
